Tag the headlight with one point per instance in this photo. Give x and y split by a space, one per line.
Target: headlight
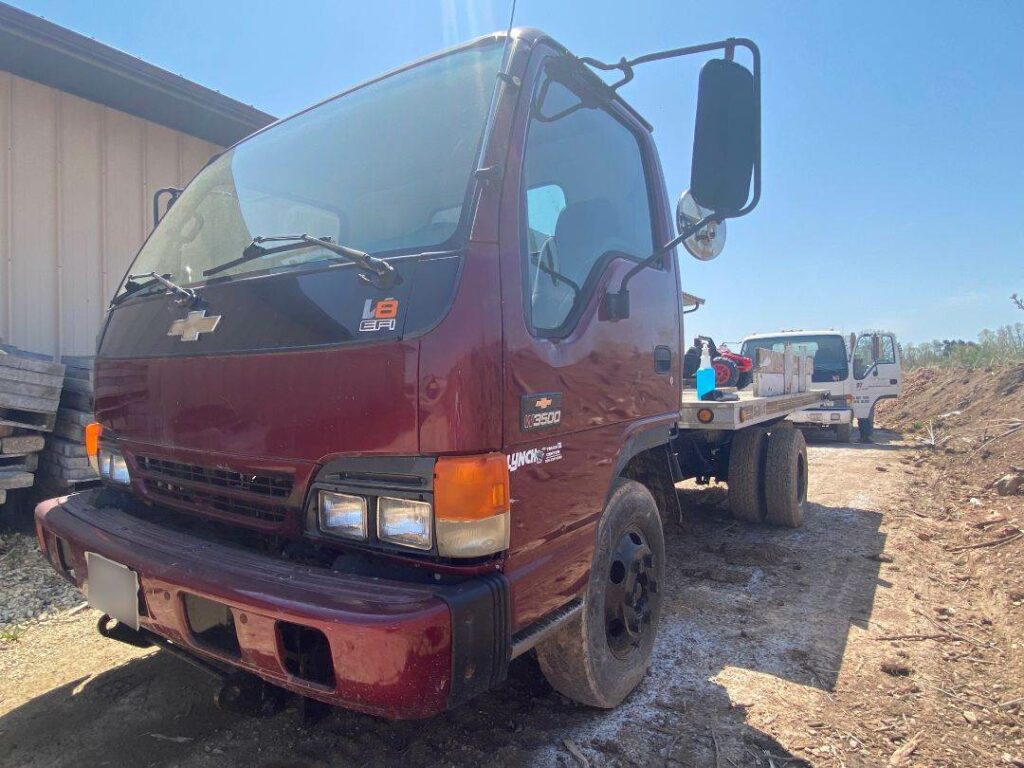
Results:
113 467
405 522
104 463
343 515
119 469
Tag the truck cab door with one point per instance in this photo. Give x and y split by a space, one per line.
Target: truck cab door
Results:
583 201
877 371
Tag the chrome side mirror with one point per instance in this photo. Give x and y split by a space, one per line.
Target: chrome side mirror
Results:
707 242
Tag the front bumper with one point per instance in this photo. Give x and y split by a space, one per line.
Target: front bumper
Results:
823 417
398 650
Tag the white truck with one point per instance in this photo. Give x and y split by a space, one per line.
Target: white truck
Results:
856 371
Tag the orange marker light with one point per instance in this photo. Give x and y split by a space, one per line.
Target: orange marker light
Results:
92 438
92 444
705 415
471 487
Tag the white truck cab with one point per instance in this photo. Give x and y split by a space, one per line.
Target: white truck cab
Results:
857 371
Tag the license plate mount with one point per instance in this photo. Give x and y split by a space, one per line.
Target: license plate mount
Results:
113 588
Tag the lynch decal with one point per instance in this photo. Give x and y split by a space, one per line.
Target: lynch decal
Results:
544 455
540 410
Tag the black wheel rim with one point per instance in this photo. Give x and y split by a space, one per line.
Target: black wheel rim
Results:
629 593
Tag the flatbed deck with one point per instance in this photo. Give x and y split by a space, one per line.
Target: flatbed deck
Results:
750 409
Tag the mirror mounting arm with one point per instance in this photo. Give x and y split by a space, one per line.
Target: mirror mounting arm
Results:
626 66
173 193
615 305
728 46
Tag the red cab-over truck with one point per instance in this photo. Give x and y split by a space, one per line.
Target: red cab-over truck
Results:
392 393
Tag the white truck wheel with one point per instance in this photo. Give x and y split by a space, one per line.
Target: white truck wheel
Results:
867 428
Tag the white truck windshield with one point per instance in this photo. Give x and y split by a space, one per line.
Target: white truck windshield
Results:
384 168
830 361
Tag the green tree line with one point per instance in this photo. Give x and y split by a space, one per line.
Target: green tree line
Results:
1002 346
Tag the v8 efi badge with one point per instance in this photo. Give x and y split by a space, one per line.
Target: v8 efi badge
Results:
540 410
379 315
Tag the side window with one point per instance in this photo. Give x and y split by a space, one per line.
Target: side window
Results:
862 356
585 195
888 351
543 207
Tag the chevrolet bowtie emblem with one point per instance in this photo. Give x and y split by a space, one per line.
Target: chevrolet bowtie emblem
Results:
194 324
543 403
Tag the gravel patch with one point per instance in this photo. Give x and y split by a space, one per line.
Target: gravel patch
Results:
29 587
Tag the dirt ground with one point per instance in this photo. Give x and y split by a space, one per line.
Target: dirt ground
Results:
886 631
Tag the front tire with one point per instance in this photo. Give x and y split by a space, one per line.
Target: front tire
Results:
600 655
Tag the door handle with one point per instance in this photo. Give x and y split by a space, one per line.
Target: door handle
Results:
662 359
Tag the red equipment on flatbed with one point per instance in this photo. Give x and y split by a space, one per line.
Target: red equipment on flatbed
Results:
731 370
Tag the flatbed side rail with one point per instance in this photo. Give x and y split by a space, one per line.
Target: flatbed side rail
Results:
749 410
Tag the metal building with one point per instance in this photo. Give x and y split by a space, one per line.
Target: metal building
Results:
87 134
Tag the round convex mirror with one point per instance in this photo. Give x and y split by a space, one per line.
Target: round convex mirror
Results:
707 242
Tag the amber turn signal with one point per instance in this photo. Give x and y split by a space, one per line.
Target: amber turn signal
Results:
705 415
470 487
92 443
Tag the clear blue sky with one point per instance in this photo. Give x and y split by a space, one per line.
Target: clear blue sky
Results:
893 132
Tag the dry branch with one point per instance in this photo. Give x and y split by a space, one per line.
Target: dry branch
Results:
990 543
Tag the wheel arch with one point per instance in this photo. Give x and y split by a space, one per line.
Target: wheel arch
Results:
646 457
879 399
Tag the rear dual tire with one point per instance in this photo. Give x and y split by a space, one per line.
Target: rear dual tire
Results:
746 474
768 475
786 478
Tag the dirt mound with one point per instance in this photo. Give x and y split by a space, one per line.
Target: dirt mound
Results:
968 426
976 414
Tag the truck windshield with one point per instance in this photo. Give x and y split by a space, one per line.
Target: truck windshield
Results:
830 363
384 168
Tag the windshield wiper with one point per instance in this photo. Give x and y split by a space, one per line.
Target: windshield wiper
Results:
384 272
131 287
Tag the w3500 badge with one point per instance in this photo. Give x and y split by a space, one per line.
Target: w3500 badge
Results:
540 410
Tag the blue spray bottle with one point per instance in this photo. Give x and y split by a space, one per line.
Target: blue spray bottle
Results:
705 373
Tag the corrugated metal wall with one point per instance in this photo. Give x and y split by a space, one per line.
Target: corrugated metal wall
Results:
76 187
